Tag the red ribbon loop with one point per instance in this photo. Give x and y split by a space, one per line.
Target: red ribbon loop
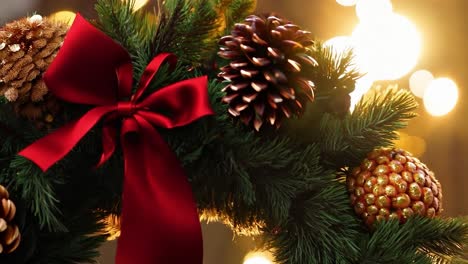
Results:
159 215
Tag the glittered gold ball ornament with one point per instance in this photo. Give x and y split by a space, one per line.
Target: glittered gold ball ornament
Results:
266 77
392 184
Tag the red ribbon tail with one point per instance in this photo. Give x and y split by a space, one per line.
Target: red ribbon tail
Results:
53 147
160 221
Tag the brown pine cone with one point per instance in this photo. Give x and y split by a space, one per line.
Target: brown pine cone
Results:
9 233
266 76
27 47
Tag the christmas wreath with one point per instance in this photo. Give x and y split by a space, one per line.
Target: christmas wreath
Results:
125 126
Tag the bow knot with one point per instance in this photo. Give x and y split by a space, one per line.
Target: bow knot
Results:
159 215
126 108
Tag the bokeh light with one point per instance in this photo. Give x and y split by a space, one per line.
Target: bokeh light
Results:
346 2
419 81
388 48
340 44
258 258
373 9
362 87
64 16
441 96
138 3
414 144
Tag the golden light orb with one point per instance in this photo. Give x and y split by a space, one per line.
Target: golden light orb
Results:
419 81
347 2
64 16
373 9
258 258
363 85
340 44
388 48
414 144
441 96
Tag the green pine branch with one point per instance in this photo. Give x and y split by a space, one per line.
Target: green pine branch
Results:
420 240
443 238
295 194
187 29
135 31
335 72
373 124
247 193
334 76
79 245
321 228
37 189
234 11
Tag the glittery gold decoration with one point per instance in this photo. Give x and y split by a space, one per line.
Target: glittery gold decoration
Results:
10 236
111 227
27 47
266 81
392 184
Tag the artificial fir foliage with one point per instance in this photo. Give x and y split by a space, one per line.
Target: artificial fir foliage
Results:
334 76
286 186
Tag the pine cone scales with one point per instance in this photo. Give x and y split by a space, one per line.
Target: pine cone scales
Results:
267 56
9 234
27 47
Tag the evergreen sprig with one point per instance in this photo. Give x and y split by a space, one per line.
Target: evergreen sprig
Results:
335 72
321 228
38 190
420 240
80 244
134 30
187 29
233 11
373 123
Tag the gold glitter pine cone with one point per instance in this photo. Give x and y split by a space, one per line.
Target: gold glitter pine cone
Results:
9 233
266 84
392 184
27 47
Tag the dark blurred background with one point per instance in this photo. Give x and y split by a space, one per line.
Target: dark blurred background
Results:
442 141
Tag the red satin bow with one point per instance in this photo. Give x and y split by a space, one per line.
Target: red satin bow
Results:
160 223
